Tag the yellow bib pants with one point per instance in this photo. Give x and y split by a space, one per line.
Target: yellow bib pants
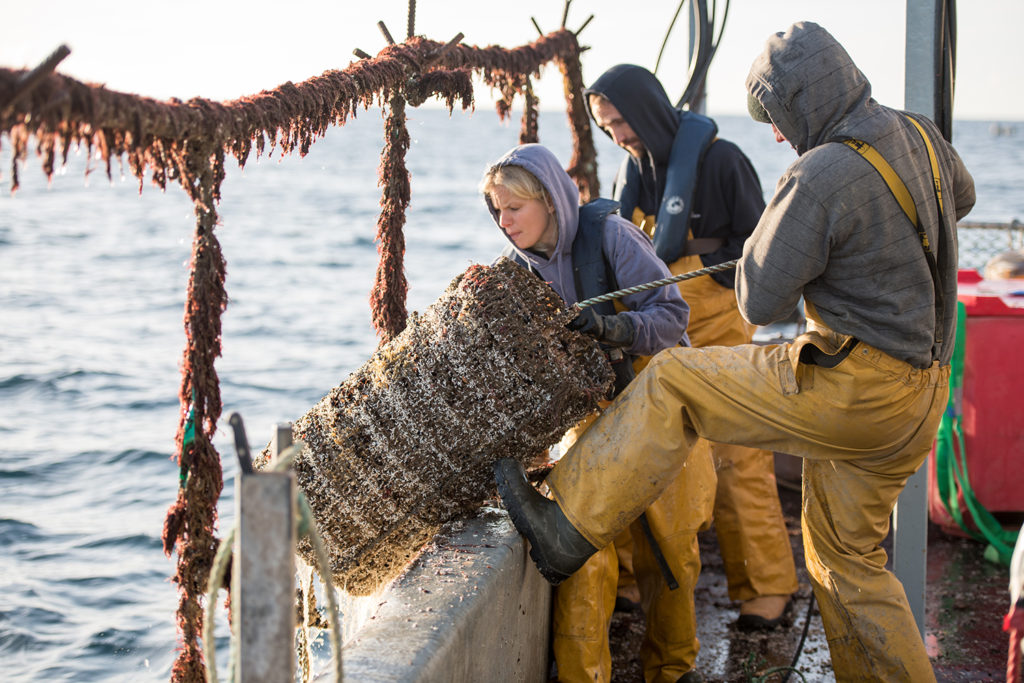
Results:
749 525
584 602
862 427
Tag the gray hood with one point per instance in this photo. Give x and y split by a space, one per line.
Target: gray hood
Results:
833 232
659 315
810 87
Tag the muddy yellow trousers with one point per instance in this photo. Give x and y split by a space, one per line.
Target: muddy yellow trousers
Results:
751 531
584 602
862 427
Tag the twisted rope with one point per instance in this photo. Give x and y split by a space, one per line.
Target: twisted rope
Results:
188 143
618 294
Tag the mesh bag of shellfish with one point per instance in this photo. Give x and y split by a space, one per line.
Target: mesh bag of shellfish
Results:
407 442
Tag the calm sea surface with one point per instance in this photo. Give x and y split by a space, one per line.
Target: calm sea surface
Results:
92 280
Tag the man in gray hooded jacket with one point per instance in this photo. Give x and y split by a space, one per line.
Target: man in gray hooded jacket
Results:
859 396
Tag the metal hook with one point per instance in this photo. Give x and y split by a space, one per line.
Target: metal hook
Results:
241 444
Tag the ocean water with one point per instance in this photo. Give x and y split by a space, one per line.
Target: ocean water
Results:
93 277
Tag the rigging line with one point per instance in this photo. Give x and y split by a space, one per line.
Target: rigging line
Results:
698 65
619 293
721 29
668 33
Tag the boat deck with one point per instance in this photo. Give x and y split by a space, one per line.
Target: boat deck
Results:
967 597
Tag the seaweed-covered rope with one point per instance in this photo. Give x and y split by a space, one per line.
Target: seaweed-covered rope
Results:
188 143
190 519
528 131
618 294
583 164
387 299
61 112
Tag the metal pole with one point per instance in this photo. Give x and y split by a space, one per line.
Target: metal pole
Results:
910 517
263 572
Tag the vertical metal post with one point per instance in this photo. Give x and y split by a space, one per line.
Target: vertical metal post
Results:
910 518
263 572
282 439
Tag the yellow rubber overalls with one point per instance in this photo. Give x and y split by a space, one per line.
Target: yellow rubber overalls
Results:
863 427
585 601
752 535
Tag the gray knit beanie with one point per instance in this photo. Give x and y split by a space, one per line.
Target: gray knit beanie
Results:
757 111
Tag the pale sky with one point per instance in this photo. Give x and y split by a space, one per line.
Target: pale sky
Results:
223 49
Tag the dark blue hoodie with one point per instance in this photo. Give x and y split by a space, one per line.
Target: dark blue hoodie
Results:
727 201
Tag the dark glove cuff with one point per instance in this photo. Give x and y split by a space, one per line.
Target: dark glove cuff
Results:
619 330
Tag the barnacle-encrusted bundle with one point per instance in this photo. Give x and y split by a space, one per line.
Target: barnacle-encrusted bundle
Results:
406 443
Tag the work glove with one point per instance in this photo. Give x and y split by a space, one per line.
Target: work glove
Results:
611 330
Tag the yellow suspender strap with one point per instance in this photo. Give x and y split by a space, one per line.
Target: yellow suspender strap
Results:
896 186
934 162
906 201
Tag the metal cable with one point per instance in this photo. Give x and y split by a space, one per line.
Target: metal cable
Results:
703 48
668 32
618 294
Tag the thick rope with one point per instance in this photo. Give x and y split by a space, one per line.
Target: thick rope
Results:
528 130
61 112
618 294
387 299
583 164
220 566
188 142
189 526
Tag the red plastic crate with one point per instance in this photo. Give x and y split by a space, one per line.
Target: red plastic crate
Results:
992 411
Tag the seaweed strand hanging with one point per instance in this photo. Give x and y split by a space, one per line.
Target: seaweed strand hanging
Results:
187 142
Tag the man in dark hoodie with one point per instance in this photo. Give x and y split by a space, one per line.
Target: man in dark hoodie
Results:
698 197
858 396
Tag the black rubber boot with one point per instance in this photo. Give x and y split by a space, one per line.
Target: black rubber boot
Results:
556 547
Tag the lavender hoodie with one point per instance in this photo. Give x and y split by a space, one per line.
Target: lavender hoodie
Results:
659 315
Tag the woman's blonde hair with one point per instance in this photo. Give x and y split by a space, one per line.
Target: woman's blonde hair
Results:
516 180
